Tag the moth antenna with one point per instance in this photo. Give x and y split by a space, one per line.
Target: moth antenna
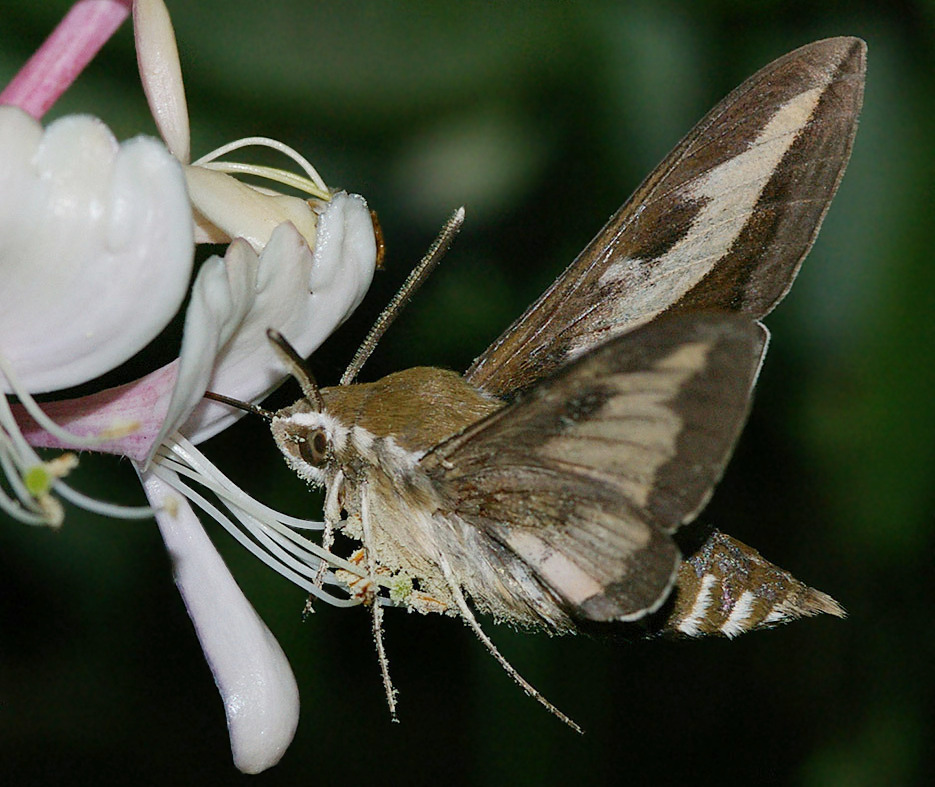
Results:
248 407
298 368
377 609
469 618
415 280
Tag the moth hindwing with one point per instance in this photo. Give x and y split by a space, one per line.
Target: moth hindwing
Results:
546 485
577 485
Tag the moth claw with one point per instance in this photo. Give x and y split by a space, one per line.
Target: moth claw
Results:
363 589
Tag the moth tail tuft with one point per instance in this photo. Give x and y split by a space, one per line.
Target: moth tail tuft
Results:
726 588
813 602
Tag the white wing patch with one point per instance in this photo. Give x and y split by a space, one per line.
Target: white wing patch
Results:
558 571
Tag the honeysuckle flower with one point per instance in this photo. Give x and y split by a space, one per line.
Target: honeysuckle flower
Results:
69 311
95 256
233 302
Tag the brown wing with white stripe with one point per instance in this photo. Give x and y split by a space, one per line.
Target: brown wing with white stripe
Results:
585 476
724 222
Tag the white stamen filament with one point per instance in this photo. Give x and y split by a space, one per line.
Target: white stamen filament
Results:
313 186
113 432
269 535
18 458
102 507
27 510
178 448
281 176
263 551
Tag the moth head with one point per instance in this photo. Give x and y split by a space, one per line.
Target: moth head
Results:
309 439
305 433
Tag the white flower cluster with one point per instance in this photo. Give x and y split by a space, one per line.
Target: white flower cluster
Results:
97 243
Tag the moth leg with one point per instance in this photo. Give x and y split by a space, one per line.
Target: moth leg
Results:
469 618
376 607
426 604
333 506
364 588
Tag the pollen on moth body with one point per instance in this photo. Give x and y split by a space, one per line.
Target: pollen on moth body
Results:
401 589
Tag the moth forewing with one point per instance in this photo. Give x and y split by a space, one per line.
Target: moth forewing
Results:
724 221
583 477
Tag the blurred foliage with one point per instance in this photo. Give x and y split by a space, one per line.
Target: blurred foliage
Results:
540 117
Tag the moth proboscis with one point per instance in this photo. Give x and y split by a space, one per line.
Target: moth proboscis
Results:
546 485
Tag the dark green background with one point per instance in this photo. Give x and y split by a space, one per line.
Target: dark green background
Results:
540 118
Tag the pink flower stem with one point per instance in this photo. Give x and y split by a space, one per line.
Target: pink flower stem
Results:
64 54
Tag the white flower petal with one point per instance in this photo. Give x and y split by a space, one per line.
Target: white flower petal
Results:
95 247
303 295
256 683
345 257
161 74
223 293
226 208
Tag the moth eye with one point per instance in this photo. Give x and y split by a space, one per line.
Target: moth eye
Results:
313 448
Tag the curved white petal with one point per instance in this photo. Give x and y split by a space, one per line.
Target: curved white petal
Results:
225 208
95 247
223 294
303 295
256 683
161 74
225 349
